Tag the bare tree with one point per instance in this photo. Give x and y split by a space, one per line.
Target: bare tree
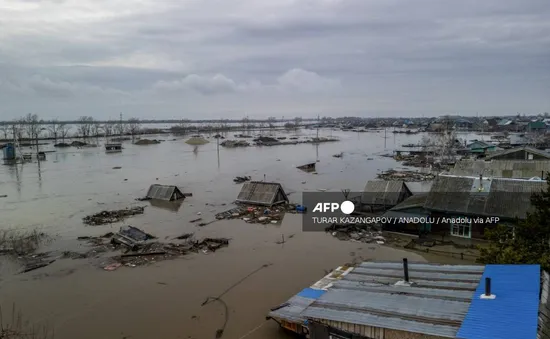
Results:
95 128
245 122
297 122
85 126
63 131
6 128
134 125
33 128
108 129
53 128
120 128
17 129
30 124
271 122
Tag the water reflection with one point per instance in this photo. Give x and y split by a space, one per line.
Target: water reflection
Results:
39 176
172 206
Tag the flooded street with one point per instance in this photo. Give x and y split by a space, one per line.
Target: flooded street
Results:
164 300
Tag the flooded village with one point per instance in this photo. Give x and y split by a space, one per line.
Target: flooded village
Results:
195 230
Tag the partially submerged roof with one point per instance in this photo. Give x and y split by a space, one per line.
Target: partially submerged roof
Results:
492 197
262 193
527 149
164 192
519 169
378 192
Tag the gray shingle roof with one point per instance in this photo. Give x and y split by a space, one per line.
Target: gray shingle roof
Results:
380 192
262 193
517 149
436 305
519 169
164 192
504 198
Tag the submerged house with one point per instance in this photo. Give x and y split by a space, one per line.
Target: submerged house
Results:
401 300
382 195
481 147
164 192
262 194
520 153
460 199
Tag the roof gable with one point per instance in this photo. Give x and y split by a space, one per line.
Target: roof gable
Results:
380 192
528 149
262 193
164 192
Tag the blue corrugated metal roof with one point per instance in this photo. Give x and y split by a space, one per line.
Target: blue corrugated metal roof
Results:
311 293
514 311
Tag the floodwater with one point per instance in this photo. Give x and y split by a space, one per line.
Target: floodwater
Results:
164 300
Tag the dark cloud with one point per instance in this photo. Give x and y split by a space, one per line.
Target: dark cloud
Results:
373 57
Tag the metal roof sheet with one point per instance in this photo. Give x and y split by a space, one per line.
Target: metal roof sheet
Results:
453 194
293 312
436 304
514 311
384 192
261 193
163 192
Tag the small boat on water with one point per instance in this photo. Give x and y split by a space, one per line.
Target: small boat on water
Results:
113 148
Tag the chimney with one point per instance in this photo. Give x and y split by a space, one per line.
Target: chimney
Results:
406 269
487 294
487 287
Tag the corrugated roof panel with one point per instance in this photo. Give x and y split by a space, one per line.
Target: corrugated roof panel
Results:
404 290
421 275
513 313
293 312
475 269
367 319
421 283
396 305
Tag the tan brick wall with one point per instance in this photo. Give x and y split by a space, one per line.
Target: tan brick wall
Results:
392 334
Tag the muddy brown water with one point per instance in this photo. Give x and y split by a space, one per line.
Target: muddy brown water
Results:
164 300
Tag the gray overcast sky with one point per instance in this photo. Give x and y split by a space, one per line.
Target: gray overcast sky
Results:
230 58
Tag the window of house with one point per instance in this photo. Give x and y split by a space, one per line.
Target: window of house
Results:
461 230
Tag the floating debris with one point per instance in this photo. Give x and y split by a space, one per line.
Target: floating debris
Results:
234 143
109 217
147 142
409 176
339 155
240 180
361 233
157 251
258 214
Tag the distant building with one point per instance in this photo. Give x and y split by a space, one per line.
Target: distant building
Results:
519 153
481 147
401 300
383 195
517 169
536 126
454 197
